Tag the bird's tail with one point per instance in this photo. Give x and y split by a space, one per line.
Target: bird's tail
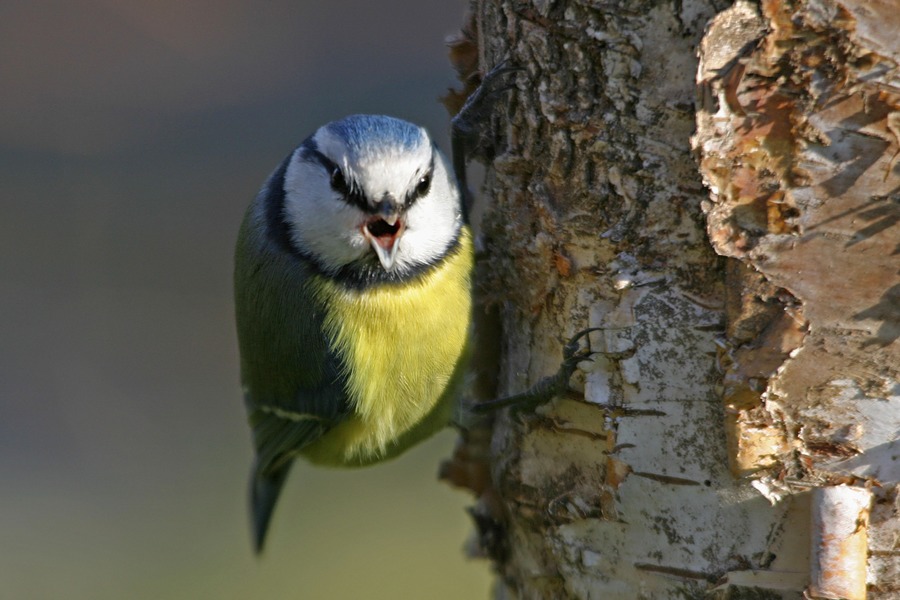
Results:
264 491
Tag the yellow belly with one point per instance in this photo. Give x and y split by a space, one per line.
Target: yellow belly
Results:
401 345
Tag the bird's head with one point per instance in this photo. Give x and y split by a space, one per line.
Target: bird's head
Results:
368 193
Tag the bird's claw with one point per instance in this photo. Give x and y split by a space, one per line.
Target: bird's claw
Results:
574 354
548 387
492 84
466 135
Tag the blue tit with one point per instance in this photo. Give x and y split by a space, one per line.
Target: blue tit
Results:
353 301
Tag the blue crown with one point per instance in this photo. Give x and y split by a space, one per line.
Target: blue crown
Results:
366 134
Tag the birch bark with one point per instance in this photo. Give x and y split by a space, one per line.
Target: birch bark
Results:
750 324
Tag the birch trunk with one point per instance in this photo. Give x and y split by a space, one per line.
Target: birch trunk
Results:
750 328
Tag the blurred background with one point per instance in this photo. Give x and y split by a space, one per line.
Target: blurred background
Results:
132 136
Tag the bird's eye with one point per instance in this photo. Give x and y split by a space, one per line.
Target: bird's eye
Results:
424 184
338 183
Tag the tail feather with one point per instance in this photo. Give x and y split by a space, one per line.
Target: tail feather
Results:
264 492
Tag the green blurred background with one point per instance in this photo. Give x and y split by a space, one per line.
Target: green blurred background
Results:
132 136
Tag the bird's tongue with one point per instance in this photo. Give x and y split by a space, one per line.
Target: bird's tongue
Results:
383 233
384 236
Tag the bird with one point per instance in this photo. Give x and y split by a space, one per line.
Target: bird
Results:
353 302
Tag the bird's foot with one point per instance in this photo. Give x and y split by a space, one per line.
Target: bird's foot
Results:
553 385
467 131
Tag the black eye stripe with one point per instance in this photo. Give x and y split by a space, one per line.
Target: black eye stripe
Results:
422 185
348 189
338 183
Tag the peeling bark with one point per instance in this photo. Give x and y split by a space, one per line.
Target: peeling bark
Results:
680 466
799 146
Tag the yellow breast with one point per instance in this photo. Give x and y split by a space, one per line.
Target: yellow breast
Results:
400 345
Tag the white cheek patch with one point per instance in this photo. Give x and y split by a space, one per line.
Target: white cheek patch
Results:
321 224
432 222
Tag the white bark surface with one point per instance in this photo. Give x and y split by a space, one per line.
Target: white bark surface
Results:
672 472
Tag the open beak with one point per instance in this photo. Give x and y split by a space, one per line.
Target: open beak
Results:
383 232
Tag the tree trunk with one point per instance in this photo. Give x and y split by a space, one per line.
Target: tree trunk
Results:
742 421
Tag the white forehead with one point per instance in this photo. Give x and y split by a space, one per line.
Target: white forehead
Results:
380 153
